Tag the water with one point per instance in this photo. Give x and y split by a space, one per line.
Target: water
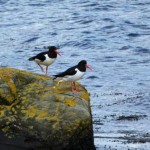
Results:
113 36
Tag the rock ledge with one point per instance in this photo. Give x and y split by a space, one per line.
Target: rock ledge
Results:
36 116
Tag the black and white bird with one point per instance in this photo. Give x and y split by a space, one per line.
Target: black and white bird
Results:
73 74
46 58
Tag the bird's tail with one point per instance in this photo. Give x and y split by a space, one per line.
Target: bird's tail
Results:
31 58
54 77
57 77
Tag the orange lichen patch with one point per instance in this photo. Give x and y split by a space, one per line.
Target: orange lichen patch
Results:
54 118
85 96
70 102
30 112
42 115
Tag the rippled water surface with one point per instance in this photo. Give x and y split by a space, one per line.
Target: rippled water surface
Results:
112 35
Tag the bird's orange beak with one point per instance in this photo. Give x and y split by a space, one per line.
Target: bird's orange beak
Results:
87 66
56 51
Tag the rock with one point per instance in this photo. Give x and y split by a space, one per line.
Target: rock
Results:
36 116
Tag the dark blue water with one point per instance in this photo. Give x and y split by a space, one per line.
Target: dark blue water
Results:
113 36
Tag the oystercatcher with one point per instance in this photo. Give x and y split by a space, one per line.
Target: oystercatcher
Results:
46 58
73 74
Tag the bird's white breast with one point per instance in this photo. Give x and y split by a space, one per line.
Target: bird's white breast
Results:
48 61
75 77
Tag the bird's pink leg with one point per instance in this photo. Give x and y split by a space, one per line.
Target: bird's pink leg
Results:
41 68
46 70
74 88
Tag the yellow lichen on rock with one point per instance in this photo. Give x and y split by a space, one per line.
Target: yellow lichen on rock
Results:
85 96
2 112
70 102
54 119
30 111
30 105
42 115
6 77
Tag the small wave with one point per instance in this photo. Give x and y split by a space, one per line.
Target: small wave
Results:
125 47
128 22
3 1
92 77
140 26
109 59
108 27
20 51
37 5
92 4
142 50
133 35
97 85
108 19
142 4
86 32
52 33
86 21
8 25
74 55
31 39
131 117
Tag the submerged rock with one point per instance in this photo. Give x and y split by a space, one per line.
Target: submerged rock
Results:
37 116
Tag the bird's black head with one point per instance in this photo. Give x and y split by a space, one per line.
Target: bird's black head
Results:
52 48
82 65
53 51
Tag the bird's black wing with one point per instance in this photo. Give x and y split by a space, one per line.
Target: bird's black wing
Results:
70 71
39 56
